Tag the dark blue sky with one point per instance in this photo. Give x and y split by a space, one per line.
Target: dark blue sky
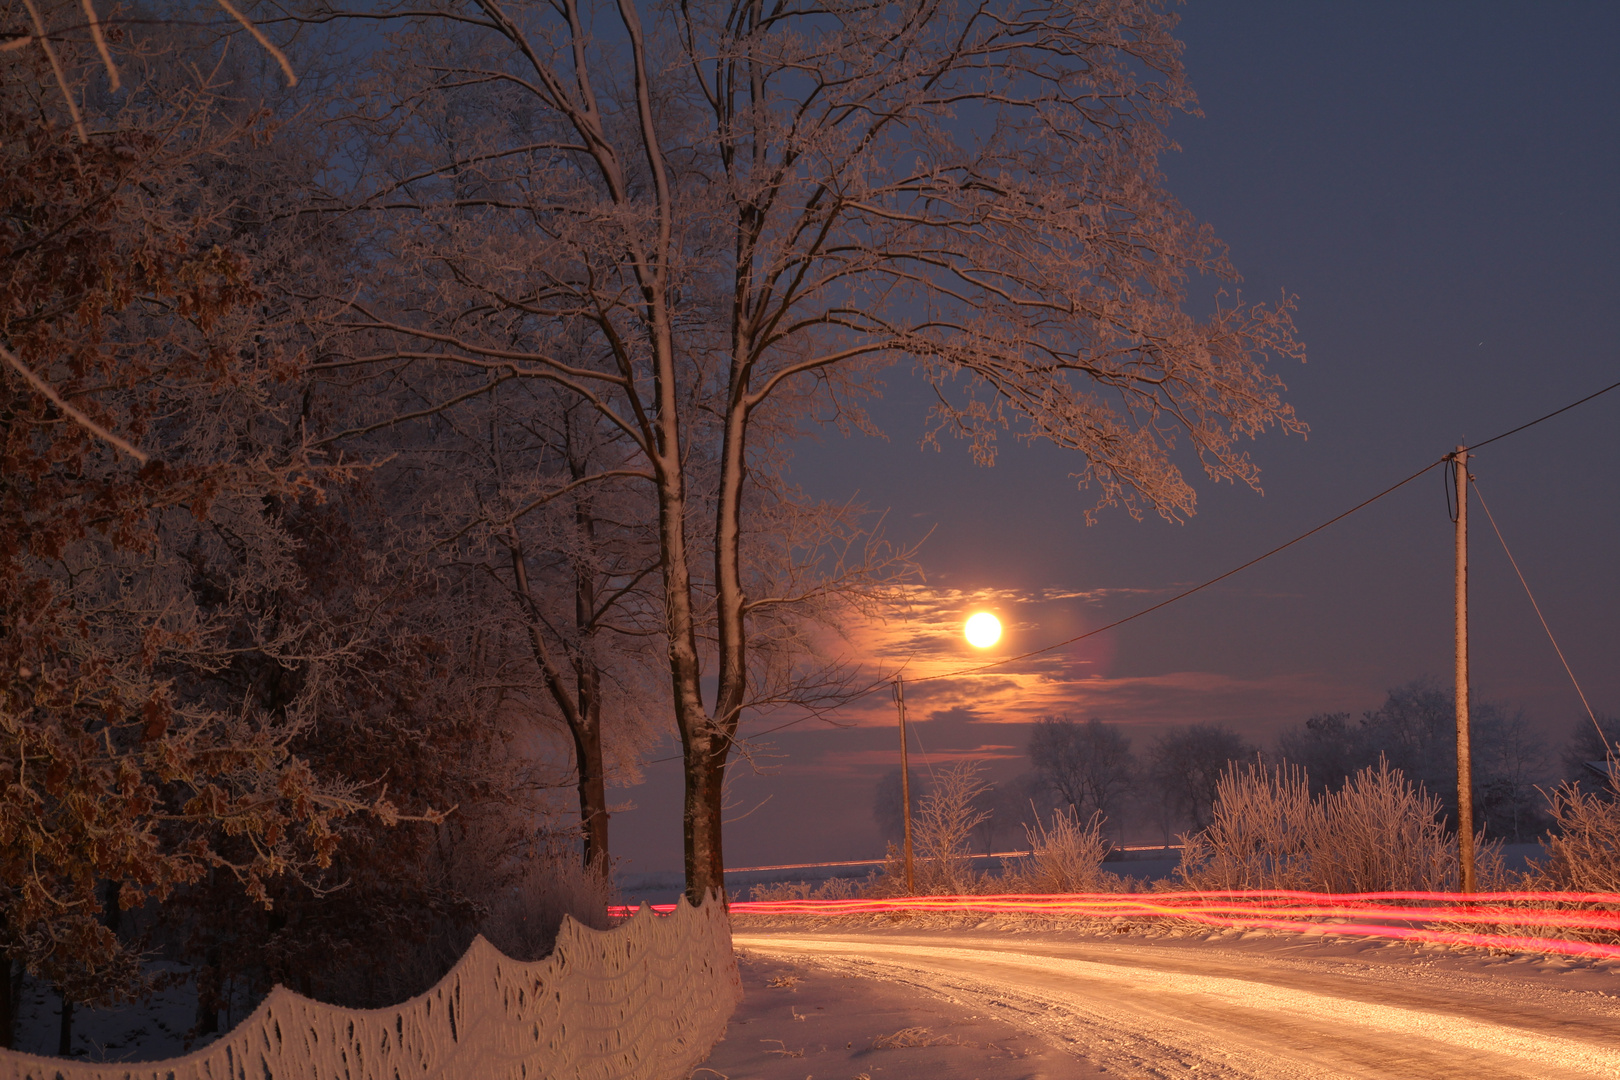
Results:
1439 184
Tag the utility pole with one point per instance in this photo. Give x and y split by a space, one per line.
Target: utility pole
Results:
1465 763
905 780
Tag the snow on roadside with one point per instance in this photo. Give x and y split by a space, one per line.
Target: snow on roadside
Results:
1319 942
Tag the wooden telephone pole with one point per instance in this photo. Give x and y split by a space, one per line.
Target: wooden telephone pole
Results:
1465 762
905 781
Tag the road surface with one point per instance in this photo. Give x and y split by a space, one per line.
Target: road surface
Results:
1233 1007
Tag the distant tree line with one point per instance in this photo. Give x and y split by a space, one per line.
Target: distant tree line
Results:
1087 768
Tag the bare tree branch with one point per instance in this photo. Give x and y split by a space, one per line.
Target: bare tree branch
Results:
77 417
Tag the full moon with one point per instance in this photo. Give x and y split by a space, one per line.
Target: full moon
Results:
983 630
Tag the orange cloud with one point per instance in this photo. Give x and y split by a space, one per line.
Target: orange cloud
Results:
946 678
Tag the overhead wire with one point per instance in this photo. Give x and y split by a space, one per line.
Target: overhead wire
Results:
1549 416
1515 563
1274 551
1185 593
1004 661
1448 479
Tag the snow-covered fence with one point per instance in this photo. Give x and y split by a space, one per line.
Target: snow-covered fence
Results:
643 1001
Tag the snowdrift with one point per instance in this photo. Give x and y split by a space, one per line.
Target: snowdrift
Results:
643 1001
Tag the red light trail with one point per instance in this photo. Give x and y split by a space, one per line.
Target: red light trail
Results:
1404 916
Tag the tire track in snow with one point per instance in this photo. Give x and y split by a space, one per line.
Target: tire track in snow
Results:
1142 1020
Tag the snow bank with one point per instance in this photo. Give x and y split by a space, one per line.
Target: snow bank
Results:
643 1001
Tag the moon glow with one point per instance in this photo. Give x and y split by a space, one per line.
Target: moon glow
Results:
983 630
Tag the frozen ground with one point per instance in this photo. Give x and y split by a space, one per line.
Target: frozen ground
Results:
798 1020
150 1031
1122 1000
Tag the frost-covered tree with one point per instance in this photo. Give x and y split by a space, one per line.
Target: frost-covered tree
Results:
1185 766
217 645
745 211
525 499
142 454
1586 756
1088 766
1415 731
944 824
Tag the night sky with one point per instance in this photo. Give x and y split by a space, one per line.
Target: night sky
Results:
1437 184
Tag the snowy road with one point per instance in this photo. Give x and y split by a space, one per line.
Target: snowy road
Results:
1158 1009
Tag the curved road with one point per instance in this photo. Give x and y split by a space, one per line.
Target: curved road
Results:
1159 1008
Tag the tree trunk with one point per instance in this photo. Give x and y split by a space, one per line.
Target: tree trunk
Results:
8 1005
112 913
703 752
581 709
208 980
587 728
705 780
706 755
705 763
64 1031
593 812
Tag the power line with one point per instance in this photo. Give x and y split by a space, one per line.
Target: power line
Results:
1261 558
1539 419
1183 595
1515 563
1222 577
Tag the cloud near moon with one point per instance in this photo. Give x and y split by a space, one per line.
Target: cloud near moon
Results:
946 676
